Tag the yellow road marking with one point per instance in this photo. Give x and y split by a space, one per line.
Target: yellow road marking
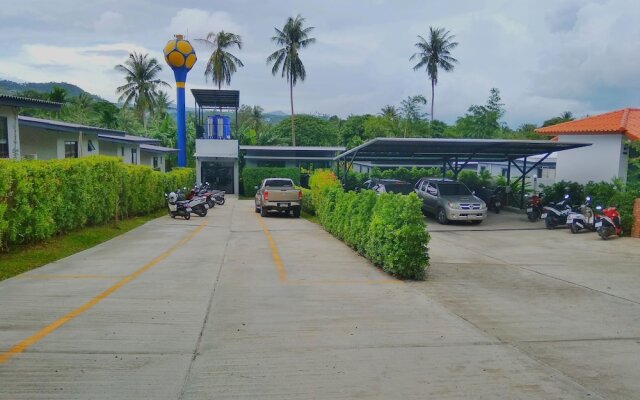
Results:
36 337
282 274
80 276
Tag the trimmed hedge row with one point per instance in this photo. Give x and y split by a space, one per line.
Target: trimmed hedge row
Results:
39 199
388 229
253 176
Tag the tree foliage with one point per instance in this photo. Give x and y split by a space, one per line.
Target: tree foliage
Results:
222 64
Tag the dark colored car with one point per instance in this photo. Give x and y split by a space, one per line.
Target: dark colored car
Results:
393 186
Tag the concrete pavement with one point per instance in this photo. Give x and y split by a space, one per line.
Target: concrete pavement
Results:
276 308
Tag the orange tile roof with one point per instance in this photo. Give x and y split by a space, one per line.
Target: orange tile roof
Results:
625 121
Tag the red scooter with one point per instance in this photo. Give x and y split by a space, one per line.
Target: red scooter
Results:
609 223
534 208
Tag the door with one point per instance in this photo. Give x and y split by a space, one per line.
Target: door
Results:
431 197
219 175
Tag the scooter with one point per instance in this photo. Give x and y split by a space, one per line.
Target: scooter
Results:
204 191
534 208
584 218
177 207
609 223
197 203
492 197
218 197
556 213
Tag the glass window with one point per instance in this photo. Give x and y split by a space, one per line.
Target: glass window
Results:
278 183
155 162
134 156
539 172
432 190
90 146
122 151
4 138
452 189
70 149
272 163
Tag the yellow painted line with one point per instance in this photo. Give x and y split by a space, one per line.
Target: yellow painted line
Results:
80 276
282 274
36 337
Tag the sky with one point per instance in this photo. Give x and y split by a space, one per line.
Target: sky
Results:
545 56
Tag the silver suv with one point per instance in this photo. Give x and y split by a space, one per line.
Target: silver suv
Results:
450 201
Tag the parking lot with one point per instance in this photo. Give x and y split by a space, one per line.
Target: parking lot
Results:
235 306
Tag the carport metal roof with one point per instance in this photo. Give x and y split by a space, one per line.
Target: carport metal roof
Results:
209 98
456 154
391 150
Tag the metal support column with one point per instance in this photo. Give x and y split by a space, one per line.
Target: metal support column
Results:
507 189
524 178
444 168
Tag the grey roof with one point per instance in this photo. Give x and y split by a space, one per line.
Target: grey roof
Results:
310 153
66 126
17 101
157 149
209 98
128 139
392 150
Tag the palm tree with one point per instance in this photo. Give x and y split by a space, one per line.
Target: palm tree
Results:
163 102
433 54
292 38
222 64
142 85
389 111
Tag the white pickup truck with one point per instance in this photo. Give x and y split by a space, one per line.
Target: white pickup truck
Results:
278 194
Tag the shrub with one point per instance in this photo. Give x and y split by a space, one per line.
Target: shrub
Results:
253 176
307 205
39 199
389 229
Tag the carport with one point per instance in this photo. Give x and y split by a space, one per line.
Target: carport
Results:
455 154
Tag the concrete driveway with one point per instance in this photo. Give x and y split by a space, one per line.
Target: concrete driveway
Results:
238 306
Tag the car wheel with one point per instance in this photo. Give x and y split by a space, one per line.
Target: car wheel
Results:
296 213
263 212
476 221
442 216
257 209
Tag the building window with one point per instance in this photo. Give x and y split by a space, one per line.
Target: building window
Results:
4 138
155 162
272 163
70 149
504 172
122 151
134 156
90 146
539 172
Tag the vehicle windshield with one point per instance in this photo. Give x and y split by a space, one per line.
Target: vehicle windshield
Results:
399 187
278 183
453 189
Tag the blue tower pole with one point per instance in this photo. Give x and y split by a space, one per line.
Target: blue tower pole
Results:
180 56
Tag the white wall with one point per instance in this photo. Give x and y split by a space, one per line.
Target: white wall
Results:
13 130
114 149
602 161
217 148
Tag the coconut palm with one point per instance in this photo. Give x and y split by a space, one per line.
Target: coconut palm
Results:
142 85
163 102
433 54
389 111
222 64
292 38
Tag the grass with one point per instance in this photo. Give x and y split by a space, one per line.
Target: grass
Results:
309 217
23 258
244 197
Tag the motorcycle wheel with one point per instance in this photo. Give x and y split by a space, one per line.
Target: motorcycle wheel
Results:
604 233
221 201
497 210
202 212
211 203
187 216
550 222
574 228
531 217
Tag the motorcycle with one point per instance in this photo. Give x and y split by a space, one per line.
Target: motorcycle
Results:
177 207
219 197
584 218
492 197
197 203
556 213
204 191
534 208
609 223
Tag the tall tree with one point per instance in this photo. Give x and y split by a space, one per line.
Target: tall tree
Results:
163 102
389 111
292 38
411 112
141 73
435 54
221 63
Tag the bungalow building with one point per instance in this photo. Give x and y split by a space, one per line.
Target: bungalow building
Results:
610 135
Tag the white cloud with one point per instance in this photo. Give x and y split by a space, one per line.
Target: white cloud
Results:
109 21
196 24
90 67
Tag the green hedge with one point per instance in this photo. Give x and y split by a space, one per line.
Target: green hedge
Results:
307 204
253 176
39 199
388 229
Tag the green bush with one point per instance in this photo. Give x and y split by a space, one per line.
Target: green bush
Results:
388 229
307 204
39 199
253 176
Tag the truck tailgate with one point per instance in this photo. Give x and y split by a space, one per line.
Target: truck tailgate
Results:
282 195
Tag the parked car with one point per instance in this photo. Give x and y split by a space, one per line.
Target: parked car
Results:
278 194
393 186
450 201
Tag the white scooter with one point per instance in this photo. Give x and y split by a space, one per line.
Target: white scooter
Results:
584 218
556 213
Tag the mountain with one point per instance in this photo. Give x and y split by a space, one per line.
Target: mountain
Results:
10 87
